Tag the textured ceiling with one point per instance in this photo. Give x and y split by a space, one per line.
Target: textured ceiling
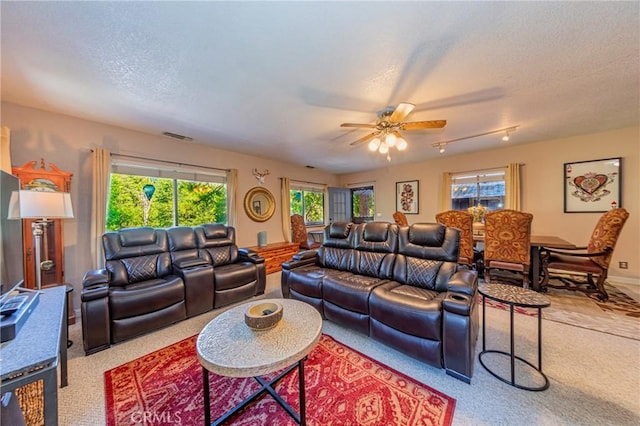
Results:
276 79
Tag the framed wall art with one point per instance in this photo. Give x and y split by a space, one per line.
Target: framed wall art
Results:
407 197
592 186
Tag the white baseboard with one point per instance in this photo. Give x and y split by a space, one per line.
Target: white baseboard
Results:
624 280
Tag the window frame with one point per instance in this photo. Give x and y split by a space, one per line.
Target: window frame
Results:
156 169
361 187
477 178
303 188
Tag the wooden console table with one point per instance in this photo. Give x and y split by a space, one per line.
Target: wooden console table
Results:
276 253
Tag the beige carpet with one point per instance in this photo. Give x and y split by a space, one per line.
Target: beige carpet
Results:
594 376
619 316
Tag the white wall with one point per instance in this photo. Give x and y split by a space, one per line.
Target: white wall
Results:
542 186
66 142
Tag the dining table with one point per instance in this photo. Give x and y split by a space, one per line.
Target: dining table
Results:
536 243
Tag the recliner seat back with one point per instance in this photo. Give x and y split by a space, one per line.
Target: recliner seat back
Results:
427 255
136 254
183 247
217 242
375 246
337 247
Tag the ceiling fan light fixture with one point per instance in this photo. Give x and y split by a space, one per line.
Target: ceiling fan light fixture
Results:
374 144
384 148
401 144
390 139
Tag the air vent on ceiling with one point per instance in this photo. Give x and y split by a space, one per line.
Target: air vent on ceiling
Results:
177 136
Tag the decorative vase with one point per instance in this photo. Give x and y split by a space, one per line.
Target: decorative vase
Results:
478 228
262 238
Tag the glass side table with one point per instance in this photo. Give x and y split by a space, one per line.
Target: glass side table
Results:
514 296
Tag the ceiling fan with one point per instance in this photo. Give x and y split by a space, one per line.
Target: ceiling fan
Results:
388 126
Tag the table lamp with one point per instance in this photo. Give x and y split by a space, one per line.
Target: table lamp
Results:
42 206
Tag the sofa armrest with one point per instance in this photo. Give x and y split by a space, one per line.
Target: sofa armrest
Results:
457 303
464 281
198 285
95 277
96 328
189 263
301 259
305 254
95 285
248 255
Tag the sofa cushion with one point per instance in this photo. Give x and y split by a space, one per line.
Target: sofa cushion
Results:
308 279
350 291
234 275
409 309
144 297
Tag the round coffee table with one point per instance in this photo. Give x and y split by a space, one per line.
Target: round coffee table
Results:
228 347
514 296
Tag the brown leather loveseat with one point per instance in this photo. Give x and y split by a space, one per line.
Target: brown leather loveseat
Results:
398 285
156 277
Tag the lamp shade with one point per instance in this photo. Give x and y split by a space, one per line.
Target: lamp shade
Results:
40 205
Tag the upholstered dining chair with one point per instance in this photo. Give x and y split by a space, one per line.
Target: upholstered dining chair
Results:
463 220
299 233
591 260
507 237
400 218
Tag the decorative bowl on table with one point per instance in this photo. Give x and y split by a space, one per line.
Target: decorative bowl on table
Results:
263 315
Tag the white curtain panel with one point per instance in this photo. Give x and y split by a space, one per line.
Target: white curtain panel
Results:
99 200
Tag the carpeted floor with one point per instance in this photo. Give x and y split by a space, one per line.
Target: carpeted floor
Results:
594 375
619 316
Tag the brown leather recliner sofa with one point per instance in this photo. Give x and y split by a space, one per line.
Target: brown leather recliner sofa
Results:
398 285
156 277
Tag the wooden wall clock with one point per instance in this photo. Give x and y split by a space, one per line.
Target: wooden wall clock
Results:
52 251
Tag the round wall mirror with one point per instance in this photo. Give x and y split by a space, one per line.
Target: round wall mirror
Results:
259 204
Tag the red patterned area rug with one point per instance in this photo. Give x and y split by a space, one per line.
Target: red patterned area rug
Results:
343 387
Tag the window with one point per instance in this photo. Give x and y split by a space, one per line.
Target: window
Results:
484 188
151 194
363 204
307 200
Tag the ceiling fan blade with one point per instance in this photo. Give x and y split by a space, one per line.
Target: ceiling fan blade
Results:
364 139
416 125
369 126
401 111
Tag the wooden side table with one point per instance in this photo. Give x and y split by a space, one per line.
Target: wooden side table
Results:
276 253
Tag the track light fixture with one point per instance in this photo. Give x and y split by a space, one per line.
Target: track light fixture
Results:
507 130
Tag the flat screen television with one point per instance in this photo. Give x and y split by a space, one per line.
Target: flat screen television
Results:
11 261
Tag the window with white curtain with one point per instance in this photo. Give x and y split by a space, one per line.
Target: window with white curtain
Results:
160 194
484 187
307 200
